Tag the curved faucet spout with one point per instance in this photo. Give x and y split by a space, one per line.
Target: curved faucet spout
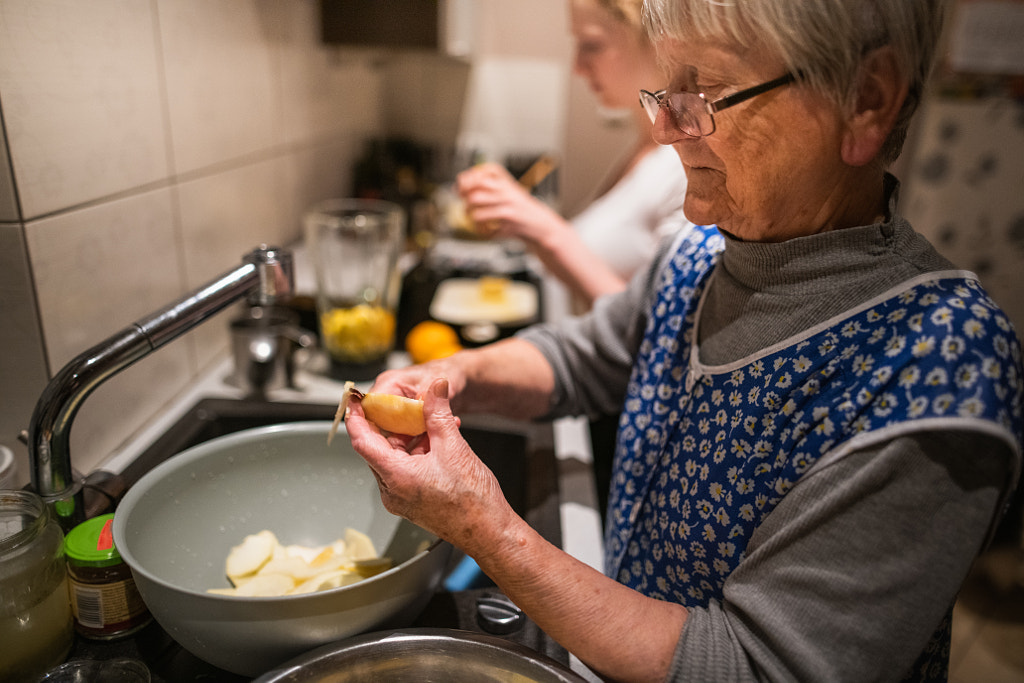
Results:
265 277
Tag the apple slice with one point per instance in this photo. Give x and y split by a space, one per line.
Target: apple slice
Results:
372 567
326 581
246 558
266 585
358 545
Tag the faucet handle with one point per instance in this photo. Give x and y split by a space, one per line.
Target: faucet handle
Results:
276 270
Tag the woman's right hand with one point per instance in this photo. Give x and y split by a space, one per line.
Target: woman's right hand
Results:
501 207
436 482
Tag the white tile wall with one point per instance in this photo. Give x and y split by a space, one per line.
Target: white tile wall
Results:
8 196
97 270
100 268
123 404
82 100
230 213
22 359
313 174
152 144
222 96
326 93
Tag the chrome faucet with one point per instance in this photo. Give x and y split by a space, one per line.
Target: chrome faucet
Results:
265 277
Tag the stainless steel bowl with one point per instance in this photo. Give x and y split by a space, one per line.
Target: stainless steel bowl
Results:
176 526
422 654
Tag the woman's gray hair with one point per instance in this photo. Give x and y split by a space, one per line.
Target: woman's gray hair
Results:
823 41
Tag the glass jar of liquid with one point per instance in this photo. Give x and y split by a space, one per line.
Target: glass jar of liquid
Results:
36 626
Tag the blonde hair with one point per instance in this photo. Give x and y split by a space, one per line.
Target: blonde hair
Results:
823 41
629 12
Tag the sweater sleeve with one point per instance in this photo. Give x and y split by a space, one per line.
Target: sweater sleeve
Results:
840 581
592 355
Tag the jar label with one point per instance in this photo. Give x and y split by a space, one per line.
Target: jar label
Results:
107 608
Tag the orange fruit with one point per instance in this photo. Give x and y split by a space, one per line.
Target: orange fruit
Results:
430 340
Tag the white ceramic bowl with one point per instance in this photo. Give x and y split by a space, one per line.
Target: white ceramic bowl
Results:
176 526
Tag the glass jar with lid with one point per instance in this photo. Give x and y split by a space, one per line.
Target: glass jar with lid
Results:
36 626
104 598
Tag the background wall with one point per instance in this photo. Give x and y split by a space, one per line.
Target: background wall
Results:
964 178
151 143
964 191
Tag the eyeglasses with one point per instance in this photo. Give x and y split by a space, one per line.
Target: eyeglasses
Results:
693 114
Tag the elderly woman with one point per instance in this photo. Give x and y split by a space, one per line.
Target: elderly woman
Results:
821 417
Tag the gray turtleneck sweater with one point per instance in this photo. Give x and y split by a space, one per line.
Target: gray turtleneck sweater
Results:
849 576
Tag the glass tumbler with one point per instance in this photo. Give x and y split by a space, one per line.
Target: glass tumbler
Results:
354 245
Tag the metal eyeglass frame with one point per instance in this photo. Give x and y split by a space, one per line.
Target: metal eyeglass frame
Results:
652 102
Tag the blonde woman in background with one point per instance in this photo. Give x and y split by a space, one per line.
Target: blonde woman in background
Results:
599 250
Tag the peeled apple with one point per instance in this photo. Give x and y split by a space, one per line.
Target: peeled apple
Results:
395 414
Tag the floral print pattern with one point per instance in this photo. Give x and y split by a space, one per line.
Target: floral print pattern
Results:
705 454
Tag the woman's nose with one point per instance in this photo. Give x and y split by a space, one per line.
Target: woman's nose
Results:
664 129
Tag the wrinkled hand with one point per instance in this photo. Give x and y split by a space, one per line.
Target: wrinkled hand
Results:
436 482
501 207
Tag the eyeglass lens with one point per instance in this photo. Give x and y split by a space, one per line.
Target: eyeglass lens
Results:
688 111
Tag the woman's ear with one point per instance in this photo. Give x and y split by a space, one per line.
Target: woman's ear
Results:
881 91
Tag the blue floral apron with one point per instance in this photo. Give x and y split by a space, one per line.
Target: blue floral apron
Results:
705 454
